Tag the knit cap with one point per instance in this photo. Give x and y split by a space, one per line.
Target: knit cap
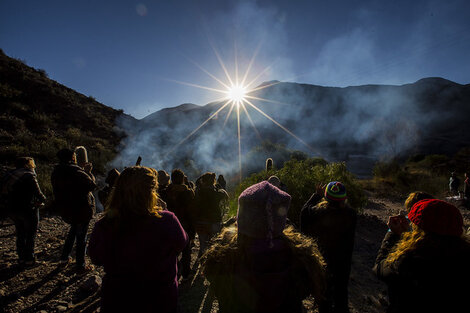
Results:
335 191
262 211
437 216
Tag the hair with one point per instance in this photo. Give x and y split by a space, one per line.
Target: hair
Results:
408 242
177 176
82 155
269 164
25 162
208 179
65 155
416 196
134 195
274 180
416 238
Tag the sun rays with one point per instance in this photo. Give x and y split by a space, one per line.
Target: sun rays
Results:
237 95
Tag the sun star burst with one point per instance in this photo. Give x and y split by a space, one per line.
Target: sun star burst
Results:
236 96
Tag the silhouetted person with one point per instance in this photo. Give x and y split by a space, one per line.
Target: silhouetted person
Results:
110 180
332 222
258 266
426 268
208 214
73 197
180 200
454 184
221 183
163 182
23 200
269 164
137 242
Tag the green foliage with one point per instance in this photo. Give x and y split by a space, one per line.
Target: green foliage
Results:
301 177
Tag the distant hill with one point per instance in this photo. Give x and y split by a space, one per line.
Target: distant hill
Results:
39 116
371 121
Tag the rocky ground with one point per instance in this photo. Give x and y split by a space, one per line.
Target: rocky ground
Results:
52 287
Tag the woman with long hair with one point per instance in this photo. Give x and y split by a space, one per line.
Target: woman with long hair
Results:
426 268
137 241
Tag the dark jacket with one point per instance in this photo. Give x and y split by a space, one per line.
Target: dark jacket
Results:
249 275
24 191
139 263
180 200
431 278
333 227
73 197
208 204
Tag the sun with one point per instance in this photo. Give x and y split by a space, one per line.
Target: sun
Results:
236 93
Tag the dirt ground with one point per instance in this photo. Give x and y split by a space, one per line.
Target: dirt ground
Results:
52 287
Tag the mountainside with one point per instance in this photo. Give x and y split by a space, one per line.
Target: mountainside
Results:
39 116
372 121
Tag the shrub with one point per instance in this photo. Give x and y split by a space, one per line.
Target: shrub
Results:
301 177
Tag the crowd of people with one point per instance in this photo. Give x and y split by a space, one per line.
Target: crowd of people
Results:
259 262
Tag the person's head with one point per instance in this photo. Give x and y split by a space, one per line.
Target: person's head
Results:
335 193
177 176
134 194
221 178
415 197
112 177
269 164
262 211
275 181
163 178
452 174
430 219
81 155
465 175
66 156
208 179
25 162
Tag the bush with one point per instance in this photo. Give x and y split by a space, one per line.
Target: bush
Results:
301 177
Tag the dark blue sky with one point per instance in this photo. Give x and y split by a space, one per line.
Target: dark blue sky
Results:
125 53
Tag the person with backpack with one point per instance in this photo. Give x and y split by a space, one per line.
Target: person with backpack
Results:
24 197
332 222
73 198
180 201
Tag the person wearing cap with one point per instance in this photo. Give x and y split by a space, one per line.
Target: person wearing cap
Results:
327 218
426 269
256 265
73 199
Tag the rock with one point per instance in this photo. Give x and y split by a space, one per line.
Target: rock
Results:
61 308
91 284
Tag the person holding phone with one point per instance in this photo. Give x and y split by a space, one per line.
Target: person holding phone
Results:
424 259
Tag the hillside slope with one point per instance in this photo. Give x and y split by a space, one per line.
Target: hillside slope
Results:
39 116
